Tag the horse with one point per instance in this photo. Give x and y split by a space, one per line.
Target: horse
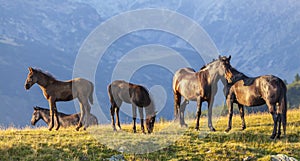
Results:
55 90
197 86
121 91
256 91
65 120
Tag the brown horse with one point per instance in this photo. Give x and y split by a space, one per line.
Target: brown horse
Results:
55 90
197 86
120 91
65 120
246 91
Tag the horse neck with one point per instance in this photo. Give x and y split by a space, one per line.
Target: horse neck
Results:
45 115
238 75
150 110
44 80
214 76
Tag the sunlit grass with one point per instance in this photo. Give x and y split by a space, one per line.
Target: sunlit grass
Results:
168 142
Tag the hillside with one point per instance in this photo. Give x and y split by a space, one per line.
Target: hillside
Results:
293 94
262 37
100 142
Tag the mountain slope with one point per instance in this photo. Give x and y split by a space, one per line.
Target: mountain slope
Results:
263 37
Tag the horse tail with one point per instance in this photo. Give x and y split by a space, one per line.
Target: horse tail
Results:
91 94
111 97
176 100
177 97
283 108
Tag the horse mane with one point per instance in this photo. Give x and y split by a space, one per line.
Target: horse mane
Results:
241 76
45 73
208 64
48 111
40 108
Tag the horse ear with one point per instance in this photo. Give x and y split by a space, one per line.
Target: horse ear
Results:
35 107
229 57
220 56
30 69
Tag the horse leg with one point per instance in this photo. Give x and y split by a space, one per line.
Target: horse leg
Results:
275 120
177 101
53 113
141 111
112 114
82 115
210 104
279 126
87 115
181 115
134 117
117 118
272 109
199 104
229 103
242 114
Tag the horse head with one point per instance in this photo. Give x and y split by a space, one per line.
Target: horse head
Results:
35 115
226 65
31 78
150 120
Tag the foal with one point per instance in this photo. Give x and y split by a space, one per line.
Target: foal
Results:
120 91
65 120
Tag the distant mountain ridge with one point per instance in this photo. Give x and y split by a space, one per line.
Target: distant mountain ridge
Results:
263 37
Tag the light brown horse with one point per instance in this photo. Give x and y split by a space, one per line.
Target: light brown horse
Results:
120 91
55 90
197 86
65 120
247 91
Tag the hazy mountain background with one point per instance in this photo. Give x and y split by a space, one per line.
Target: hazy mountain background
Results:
263 37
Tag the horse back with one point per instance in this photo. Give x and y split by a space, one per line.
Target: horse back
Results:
181 75
191 84
272 87
118 91
263 88
139 95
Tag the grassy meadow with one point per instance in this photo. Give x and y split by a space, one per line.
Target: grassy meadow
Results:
168 142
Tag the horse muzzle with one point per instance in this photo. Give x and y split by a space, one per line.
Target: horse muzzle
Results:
33 122
27 86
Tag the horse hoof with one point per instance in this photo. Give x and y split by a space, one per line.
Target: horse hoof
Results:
212 129
197 128
272 137
183 125
77 128
227 130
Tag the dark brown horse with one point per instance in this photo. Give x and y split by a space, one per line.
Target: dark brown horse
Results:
120 91
197 86
65 120
55 90
246 91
